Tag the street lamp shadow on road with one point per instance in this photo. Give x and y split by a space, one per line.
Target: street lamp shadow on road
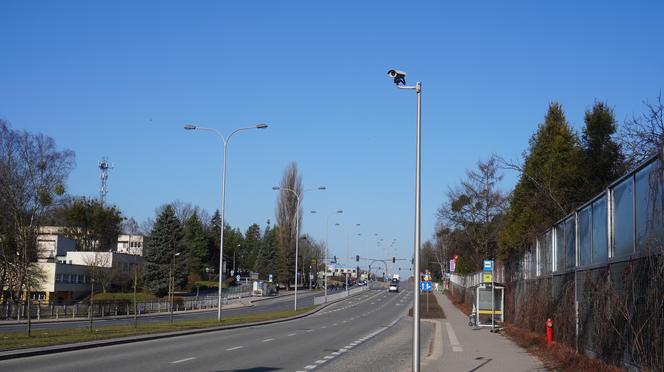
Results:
222 213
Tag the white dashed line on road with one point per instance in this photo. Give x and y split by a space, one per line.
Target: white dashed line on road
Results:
182 360
291 334
234 348
268 339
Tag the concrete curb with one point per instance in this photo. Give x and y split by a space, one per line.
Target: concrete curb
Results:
23 353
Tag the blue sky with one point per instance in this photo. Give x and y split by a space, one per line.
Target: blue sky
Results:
120 79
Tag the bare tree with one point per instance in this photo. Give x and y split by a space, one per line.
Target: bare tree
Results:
97 266
643 136
475 206
130 228
32 178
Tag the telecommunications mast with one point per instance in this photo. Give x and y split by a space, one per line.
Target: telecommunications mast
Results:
104 166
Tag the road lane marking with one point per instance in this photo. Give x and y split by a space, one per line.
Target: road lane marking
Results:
320 361
310 367
183 360
291 334
335 353
323 327
234 348
454 341
328 357
268 339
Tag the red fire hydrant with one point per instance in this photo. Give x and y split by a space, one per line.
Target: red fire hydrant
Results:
549 332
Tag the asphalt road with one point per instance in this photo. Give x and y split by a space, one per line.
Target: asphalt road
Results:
297 345
282 303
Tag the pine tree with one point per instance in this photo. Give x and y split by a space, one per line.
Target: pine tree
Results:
266 261
251 246
195 242
212 257
603 160
548 187
164 241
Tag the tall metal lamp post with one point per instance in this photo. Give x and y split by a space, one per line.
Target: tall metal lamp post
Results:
224 140
171 284
297 228
400 81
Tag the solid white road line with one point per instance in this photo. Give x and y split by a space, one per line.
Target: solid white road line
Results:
454 341
183 360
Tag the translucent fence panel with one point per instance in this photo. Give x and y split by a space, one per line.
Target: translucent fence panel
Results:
585 236
560 247
623 218
600 241
570 245
648 208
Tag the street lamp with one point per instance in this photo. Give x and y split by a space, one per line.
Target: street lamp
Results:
224 140
171 283
400 81
327 236
297 227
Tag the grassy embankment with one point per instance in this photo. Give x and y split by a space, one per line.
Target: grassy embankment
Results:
39 338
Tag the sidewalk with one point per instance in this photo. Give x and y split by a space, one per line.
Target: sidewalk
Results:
465 349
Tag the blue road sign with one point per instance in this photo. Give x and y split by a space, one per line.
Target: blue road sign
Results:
426 286
488 265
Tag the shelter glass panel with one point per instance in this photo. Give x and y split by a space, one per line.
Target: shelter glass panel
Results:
600 231
649 200
585 236
623 223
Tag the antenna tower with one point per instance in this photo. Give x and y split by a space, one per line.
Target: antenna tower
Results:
104 166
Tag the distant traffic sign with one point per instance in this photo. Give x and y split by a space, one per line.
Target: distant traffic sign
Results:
487 278
488 265
426 286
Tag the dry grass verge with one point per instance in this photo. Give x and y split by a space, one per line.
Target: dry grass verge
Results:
435 311
559 357
39 338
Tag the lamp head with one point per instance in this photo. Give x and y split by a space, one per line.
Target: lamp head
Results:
322 188
276 188
190 127
261 126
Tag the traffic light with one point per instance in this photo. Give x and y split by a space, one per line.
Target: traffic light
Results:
335 259
394 259
357 258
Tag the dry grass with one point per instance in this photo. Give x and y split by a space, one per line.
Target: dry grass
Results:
39 338
559 357
435 311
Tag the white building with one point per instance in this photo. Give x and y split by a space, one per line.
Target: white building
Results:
130 244
342 271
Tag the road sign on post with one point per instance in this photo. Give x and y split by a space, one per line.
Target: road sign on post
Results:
488 265
426 286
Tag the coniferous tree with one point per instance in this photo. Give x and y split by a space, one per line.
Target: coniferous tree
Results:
548 186
164 241
266 261
250 247
603 161
212 256
195 242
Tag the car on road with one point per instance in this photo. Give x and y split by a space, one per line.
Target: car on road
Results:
394 286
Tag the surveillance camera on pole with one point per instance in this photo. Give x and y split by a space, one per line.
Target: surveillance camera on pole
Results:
398 76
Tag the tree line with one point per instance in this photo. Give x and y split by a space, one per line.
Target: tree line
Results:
33 177
560 170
